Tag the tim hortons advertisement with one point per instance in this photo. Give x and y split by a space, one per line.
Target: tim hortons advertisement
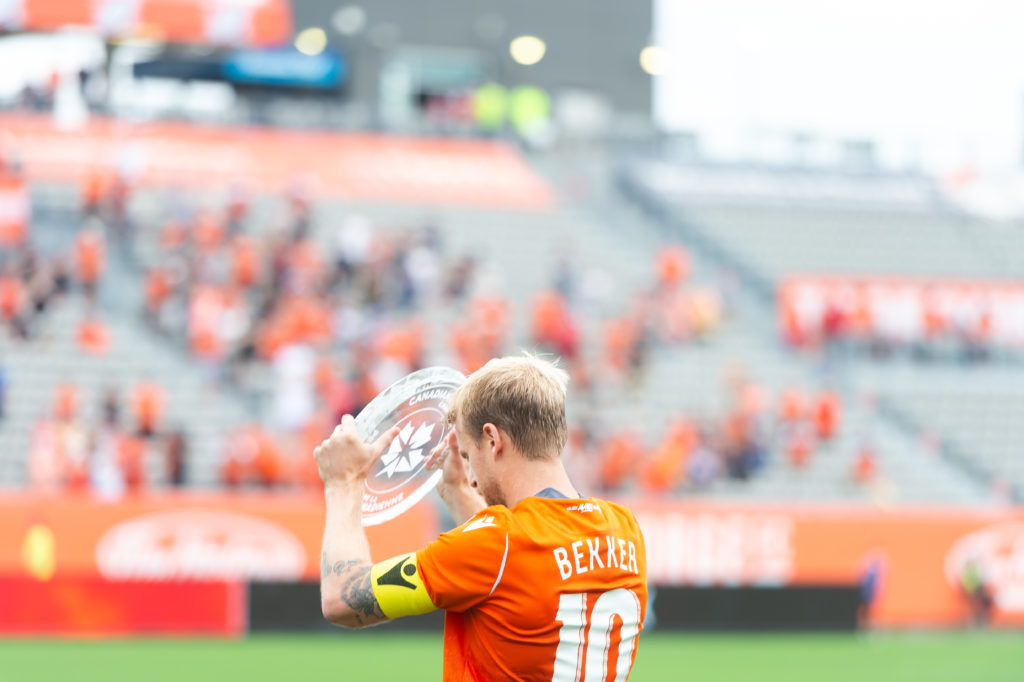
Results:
177 537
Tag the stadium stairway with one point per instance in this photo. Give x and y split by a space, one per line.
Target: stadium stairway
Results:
975 413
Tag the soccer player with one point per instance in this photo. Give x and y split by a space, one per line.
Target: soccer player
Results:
538 582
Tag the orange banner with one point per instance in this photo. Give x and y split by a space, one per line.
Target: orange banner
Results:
217 22
187 536
358 166
912 559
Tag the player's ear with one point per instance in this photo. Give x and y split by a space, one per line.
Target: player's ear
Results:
494 438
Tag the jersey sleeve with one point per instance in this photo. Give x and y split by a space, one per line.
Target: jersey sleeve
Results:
463 566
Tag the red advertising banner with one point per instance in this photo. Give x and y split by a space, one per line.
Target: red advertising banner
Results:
357 166
95 606
901 311
914 559
217 22
188 536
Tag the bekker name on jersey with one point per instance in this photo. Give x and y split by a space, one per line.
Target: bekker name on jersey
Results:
618 553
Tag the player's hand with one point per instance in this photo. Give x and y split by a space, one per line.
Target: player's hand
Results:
445 456
345 457
455 487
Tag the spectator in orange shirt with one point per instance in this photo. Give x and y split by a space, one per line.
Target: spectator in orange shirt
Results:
94 192
90 258
13 301
92 336
14 218
619 339
827 414
620 458
865 466
251 457
672 264
131 452
65 402
553 326
148 408
793 405
245 261
665 468
489 315
800 445
158 290
208 233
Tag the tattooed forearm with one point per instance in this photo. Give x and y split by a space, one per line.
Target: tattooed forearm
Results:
353 576
357 593
342 566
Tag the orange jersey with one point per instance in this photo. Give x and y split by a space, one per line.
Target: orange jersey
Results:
551 589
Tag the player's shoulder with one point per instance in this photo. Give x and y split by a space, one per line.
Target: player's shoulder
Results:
493 519
572 513
615 508
481 535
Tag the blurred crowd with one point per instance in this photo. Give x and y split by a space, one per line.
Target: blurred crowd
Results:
125 448
755 431
310 322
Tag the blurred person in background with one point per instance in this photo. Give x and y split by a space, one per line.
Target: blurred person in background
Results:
974 584
534 572
148 400
176 457
90 257
705 464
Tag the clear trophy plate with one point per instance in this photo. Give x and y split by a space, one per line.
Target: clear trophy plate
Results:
417 404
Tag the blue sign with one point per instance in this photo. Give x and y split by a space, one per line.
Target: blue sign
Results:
286 67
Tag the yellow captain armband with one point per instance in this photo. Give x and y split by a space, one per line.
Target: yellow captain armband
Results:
399 587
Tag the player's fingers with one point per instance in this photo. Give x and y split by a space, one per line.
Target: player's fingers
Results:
438 452
437 456
382 443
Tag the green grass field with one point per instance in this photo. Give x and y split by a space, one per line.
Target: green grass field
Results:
380 655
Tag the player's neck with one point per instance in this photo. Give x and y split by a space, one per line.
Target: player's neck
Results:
534 476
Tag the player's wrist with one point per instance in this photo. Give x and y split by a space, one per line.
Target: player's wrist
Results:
346 484
449 491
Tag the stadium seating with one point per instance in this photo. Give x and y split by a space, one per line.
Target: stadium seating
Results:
768 240
607 246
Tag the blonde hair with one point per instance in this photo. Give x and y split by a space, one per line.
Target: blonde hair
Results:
524 396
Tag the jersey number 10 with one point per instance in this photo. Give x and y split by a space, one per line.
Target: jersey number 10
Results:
581 640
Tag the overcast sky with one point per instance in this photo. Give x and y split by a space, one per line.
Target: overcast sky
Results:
939 81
